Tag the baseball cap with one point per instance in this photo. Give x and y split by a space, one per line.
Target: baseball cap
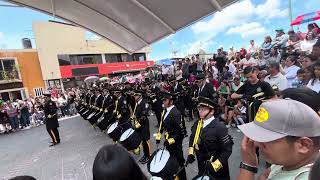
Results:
279 118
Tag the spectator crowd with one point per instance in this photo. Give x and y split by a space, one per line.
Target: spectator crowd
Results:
24 114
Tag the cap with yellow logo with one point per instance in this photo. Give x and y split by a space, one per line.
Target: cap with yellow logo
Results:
276 119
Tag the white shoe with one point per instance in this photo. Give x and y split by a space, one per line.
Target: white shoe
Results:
228 126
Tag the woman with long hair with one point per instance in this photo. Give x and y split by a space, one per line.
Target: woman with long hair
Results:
314 83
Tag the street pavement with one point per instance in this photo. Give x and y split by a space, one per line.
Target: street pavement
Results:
27 152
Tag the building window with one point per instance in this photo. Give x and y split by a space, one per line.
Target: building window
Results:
125 57
79 59
139 57
112 58
8 69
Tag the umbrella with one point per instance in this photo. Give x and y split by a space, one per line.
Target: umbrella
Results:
164 61
104 79
305 18
91 79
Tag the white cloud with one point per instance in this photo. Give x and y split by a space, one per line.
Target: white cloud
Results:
196 46
1 35
231 15
238 15
248 29
271 9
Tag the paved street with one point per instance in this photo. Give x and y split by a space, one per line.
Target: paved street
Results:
27 152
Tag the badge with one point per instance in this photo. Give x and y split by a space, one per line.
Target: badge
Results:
262 115
124 102
147 105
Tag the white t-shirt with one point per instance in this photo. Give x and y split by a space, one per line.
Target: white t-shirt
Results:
278 80
291 74
316 85
232 68
277 173
250 62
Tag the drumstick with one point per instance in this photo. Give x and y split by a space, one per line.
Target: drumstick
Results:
162 153
206 170
155 156
178 172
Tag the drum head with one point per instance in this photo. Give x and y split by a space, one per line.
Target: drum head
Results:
100 119
112 127
159 162
91 115
155 178
125 135
202 177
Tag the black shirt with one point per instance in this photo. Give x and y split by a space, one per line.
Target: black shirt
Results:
252 89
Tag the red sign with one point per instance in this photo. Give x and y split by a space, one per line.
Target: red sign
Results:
104 69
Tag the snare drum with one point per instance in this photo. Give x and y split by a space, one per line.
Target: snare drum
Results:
94 118
163 165
203 177
115 131
130 139
91 115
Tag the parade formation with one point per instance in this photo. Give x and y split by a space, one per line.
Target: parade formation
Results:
121 112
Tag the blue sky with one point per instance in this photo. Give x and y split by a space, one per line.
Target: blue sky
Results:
234 26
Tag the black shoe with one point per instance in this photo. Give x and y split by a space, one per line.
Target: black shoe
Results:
53 144
145 160
142 159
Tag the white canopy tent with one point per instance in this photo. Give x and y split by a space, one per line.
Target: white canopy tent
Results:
131 24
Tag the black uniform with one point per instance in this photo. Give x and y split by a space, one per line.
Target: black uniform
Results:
179 103
141 124
52 124
206 91
214 142
173 128
248 90
156 103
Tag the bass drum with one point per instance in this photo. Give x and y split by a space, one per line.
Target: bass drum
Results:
163 165
130 139
203 177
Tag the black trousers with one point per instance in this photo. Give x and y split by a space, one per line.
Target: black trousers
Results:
146 148
176 151
158 116
54 134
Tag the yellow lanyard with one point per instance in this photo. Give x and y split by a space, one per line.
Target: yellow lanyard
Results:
116 108
162 115
197 135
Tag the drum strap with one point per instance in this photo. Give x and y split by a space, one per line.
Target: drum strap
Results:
133 113
116 108
197 135
161 120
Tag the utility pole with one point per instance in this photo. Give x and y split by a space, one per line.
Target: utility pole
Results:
290 13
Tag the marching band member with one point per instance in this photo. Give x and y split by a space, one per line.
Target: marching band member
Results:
172 126
140 123
210 143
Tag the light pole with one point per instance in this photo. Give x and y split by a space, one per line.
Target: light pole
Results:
290 13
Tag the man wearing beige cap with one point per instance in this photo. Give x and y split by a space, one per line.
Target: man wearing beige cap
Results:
287 132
